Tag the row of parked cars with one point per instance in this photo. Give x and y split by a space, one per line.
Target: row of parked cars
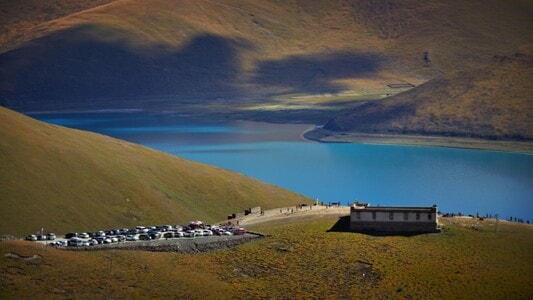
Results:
139 233
45 237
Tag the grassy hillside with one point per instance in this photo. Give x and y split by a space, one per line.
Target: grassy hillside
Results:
493 102
68 180
298 260
251 57
18 18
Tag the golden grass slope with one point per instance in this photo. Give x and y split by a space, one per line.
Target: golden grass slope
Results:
271 46
298 260
493 102
68 180
18 18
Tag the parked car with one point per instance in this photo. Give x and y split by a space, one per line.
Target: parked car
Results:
83 235
99 233
61 243
93 242
31 237
144 237
155 235
51 236
71 235
75 242
132 237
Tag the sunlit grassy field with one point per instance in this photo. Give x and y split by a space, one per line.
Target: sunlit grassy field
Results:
297 260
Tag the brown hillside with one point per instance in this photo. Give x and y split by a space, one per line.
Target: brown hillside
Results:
69 180
130 53
18 18
166 54
492 103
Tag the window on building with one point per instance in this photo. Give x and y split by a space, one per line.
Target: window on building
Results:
358 214
418 216
373 215
406 216
391 216
429 216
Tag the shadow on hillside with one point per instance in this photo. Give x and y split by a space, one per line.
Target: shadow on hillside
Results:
343 225
87 63
309 73
102 66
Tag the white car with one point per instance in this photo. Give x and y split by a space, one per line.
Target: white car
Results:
132 237
75 241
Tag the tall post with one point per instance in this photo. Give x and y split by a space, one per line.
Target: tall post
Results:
497 221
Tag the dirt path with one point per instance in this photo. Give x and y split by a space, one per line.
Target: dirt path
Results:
292 213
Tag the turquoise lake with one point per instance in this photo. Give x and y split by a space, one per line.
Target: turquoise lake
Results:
458 180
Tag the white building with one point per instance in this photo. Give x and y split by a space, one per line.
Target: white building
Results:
393 220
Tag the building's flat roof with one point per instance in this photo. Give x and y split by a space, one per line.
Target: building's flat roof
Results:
394 208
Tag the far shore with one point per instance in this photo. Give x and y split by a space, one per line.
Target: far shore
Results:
326 136
318 134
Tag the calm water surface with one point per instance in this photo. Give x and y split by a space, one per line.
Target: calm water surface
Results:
458 180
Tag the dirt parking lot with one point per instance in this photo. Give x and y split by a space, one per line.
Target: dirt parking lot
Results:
181 245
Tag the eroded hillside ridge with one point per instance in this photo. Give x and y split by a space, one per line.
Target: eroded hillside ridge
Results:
490 103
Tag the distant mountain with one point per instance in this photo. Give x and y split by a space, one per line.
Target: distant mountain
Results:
492 103
164 54
69 180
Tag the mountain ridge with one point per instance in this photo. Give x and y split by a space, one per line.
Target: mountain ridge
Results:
237 57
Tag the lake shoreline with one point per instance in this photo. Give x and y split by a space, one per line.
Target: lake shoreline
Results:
325 136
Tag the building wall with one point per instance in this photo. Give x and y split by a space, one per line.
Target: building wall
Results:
393 220
366 216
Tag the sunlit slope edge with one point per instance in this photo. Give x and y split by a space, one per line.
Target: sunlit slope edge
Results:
493 102
18 18
67 180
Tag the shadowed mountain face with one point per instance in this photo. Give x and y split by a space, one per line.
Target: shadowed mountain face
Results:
311 73
73 68
253 55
